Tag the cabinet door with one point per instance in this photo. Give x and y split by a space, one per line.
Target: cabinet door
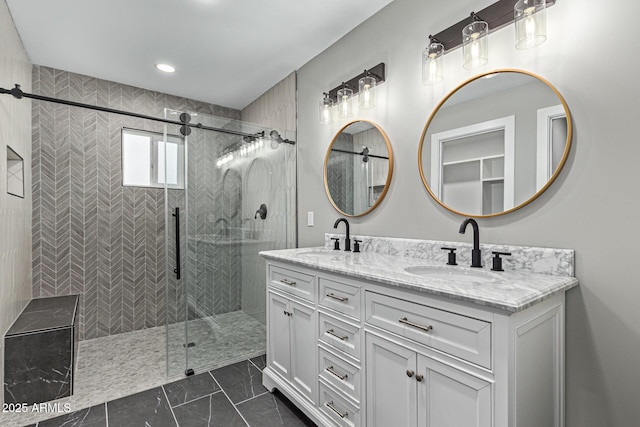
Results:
279 354
304 350
391 392
448 397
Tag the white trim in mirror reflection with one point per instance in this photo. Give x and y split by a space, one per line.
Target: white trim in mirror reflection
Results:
551 142
489 185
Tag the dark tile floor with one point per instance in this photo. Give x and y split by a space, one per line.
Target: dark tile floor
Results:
226 397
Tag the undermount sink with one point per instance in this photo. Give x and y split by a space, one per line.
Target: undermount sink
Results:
454 274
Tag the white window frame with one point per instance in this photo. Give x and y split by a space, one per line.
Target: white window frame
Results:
156 138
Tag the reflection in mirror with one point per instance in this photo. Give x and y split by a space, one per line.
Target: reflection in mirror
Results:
495 143
358 168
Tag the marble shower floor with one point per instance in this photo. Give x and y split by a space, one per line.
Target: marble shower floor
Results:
120 365
219 341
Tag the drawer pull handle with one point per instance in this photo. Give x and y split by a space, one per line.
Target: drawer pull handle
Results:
330 332
331 371
427 328
287 282
333 408
341 299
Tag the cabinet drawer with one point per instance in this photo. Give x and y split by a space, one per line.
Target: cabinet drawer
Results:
339 334
456 334
339 296
337 408
341 374
293 282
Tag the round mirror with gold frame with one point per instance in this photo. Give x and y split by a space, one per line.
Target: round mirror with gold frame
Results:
358 168
495 143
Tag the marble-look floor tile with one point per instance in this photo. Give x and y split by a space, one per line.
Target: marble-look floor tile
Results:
148 408
190 388
90 417
115 366
260 361
240 381
219 340
272 410
214 410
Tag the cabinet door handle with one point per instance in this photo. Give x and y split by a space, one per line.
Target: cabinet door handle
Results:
410 373
330 332
427 328
419 377
333 408
341 299
288 313
331 371
288 282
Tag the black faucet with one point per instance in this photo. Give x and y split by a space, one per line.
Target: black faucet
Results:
261 212
476 256
347 240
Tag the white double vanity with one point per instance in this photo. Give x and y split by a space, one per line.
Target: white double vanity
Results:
393 336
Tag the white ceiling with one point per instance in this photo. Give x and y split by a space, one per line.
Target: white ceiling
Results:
226 52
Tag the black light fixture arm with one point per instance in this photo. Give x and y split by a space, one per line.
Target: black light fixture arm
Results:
377 72
475 17
433 39
497 15
17 93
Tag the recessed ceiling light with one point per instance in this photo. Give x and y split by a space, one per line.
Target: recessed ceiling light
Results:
165 68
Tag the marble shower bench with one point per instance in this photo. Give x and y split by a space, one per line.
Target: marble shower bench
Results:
40 351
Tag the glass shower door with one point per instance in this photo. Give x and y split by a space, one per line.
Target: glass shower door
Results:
238 199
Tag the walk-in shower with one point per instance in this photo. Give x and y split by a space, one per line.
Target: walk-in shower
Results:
238 198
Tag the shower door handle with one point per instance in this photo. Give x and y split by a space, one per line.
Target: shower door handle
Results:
177 217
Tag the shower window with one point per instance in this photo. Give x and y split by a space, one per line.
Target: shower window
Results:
143 159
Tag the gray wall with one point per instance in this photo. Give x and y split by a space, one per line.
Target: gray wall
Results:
91 235
591 207
15 222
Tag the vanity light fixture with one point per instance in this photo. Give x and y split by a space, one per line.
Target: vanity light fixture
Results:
366 94
531 23
165 68
340 98
326 112
472 33
475 43
433 63
344 101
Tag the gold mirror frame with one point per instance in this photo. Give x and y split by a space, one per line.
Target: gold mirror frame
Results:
389 170
563 160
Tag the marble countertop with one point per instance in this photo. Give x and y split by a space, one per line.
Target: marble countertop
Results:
509 291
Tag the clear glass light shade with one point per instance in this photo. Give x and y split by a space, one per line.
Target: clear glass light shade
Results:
326 110
344 102
433 64
530 22
475 45
366 94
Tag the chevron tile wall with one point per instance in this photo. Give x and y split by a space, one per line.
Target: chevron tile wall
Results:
340 170
91 236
